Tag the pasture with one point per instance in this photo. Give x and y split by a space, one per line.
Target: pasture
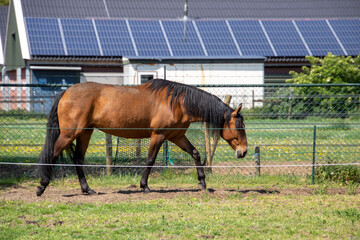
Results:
21 140
233 207
281 204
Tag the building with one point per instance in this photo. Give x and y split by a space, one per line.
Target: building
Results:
63 41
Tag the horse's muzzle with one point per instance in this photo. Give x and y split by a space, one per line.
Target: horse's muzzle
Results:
240 154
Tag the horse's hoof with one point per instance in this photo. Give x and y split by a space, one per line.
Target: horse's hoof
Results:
202 187
39 191
146 190
89 191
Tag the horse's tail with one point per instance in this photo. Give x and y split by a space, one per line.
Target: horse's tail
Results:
45 171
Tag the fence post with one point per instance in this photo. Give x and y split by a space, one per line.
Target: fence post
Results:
253 99
257 160
290 106
138 149
165 144
165 152
211 141
313 159
108 140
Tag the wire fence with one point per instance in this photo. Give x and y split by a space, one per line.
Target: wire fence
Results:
291 129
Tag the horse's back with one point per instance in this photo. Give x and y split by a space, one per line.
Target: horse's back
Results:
101 101
112 107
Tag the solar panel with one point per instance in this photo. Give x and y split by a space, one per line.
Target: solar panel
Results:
319 37
348 32
217 38
114 38
80 37
44 36
285 38
183 45
251 38
149 38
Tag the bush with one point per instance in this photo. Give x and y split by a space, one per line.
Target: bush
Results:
344 174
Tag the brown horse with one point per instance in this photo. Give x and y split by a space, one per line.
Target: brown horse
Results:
159 109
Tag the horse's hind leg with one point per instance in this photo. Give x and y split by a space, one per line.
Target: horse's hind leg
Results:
60 144
82 143
185 145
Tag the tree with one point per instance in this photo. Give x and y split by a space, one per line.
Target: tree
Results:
335 101
326 98
330 69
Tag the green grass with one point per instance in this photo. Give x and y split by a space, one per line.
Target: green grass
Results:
236 216
280 140
185 218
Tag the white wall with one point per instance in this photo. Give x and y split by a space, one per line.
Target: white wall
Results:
217 74
108 78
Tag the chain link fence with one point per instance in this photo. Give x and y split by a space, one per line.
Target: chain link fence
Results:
292 127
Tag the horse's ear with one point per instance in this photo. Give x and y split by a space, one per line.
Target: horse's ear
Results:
236 112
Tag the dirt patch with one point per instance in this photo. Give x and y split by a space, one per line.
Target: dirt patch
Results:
133 193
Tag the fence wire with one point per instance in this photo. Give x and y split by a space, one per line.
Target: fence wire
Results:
293 126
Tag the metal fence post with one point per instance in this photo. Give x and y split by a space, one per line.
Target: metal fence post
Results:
257 160
165 152
313 160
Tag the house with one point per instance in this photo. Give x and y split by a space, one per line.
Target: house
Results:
128 42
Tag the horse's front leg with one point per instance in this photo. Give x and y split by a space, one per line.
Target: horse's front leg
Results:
155 143
185 145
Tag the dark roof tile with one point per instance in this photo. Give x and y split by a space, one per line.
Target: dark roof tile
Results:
257 9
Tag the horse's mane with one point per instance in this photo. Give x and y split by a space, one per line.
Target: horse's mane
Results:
197 102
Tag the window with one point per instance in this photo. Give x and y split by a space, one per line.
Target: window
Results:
144 78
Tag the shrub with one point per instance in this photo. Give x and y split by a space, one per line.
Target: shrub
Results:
347 174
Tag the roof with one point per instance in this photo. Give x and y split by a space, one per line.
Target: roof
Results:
198 9
155 28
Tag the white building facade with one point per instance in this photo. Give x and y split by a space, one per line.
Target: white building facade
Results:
221 74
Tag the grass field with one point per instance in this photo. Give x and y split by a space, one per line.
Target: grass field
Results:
235 207
336 141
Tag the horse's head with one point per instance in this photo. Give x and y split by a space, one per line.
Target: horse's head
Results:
234 133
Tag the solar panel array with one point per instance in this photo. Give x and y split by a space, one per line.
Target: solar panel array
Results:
44 36
80 37
251 38
319 37
183 38
217 38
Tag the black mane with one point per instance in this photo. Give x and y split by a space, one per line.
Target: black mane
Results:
197 102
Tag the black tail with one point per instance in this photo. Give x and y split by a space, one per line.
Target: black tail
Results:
52 133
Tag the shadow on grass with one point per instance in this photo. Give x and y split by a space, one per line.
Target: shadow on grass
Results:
261 191
164 191
83 194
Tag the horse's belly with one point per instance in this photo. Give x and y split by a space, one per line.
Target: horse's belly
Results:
128 132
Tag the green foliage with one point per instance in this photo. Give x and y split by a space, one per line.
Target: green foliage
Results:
348 174
325 101
330 69
4 2
351 188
